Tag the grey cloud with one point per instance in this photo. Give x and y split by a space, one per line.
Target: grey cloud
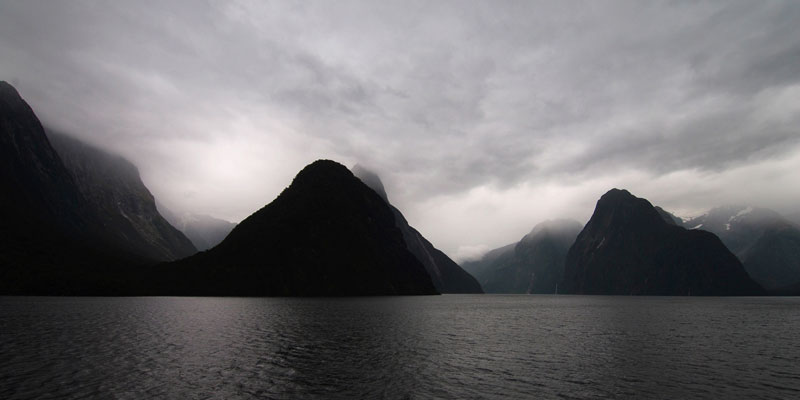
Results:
439 97
750 47
712 141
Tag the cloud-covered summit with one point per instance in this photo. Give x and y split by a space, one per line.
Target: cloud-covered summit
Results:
483 118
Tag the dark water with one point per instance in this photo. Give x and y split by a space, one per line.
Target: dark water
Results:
407 348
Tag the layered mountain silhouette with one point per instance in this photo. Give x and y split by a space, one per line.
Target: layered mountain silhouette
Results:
327 234
203 230
77 220
628 247
52 240
37 187
767 244
73 219
127 210
535 264
447 276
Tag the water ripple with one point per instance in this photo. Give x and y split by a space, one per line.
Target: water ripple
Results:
458 346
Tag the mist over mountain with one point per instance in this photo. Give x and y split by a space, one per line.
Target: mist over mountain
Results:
52 240
327 234
447 276
203 230
627 248
794 218
767 244
127 210
37 186
479 265
173 224
468 113
535 264
76 219
370 179
736 226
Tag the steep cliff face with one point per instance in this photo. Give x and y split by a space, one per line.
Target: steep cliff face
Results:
51 239
447 276
37 188
127 210
627 247
327 234
767 244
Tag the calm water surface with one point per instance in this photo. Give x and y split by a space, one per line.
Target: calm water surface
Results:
452 346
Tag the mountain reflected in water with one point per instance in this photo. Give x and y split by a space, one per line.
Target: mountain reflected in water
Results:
451 346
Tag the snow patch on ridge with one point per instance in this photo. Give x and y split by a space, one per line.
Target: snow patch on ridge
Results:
746 211
741 213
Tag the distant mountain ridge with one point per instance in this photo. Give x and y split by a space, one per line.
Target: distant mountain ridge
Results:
203 230
627 247
327 234
478 266
447 276
535 264
767 244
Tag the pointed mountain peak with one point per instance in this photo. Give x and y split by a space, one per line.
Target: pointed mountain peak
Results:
12 105
322 170
618 207
7 89
556 227
370 179
326 234
628 248
617 195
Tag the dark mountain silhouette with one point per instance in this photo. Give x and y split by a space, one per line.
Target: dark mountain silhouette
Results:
36 185
790 290
533 265
51 240
767 244
447 276
114 190
204 231
669 217
628 248
327 234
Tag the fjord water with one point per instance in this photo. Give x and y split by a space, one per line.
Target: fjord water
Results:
451 346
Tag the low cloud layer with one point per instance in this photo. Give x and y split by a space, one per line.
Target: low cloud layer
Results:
482 118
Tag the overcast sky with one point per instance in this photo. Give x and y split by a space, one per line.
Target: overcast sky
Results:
482 118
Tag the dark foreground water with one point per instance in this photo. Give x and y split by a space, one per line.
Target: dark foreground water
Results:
457 346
